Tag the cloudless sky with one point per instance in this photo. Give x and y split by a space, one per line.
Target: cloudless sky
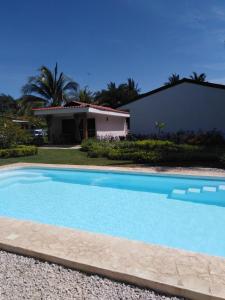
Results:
97 41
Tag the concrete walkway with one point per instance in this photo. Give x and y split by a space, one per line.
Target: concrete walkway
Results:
60 147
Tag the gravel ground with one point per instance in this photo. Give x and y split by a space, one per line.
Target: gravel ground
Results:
27 278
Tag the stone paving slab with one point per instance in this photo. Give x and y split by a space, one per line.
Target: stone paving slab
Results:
177 272
172 271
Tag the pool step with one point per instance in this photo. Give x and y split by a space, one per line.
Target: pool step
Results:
205 194
18 174
22 180
194 190
222 187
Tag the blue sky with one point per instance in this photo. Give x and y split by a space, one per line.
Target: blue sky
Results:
97 41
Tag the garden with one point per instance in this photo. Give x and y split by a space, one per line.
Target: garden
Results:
180 148
15 141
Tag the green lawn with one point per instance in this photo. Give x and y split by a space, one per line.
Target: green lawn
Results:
77 157
61 156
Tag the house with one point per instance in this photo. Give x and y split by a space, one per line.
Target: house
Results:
187 105
76 121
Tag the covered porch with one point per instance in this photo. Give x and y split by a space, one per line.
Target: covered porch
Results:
77 121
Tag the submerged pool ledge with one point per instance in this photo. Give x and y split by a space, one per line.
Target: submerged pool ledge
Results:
168 270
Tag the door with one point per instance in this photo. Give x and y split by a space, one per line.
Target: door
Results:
68 131
91 128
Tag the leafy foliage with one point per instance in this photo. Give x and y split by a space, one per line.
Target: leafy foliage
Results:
85 95
48 88
148 151
115 96
8 105
18 151
12 135
160 126
205 138
173 79
198 77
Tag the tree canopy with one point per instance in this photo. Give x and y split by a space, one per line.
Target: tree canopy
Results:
85 95
48 88
8 105
198 77
173 79
115 96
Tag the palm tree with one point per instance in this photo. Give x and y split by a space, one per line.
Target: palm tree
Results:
159 126
85 95
198 77
173 79
109 96
115 96
48 88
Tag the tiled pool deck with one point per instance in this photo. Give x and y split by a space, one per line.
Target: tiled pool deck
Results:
178 272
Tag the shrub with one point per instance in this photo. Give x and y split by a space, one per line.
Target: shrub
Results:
86 145
146 157
98 151
18 151
203 138
96 148
149 151
12 135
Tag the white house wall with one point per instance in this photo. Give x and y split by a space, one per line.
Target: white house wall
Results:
186 106
106 126
109 126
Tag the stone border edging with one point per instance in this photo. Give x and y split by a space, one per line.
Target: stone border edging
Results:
177 272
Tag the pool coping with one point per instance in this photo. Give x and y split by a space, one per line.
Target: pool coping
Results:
177 272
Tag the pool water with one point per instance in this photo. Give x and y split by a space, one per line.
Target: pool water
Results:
181 212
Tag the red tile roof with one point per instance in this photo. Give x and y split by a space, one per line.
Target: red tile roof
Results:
74 104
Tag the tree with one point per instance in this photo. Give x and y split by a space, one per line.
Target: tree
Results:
159 126
198 77
85 95
12 135
173 79
8 105
48 88
115 96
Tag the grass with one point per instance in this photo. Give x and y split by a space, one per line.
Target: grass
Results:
77 157
64 156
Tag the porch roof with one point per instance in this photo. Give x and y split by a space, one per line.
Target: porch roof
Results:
76 107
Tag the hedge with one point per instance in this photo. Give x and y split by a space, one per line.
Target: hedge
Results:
18 151
148 151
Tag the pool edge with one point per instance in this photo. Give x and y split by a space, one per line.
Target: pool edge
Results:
205 173
172 271
186 274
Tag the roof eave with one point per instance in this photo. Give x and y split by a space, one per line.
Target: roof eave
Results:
77 110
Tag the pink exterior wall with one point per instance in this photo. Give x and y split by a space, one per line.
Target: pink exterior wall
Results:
110 126
106 126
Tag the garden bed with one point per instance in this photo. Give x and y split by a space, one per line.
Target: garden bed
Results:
18 151
153 151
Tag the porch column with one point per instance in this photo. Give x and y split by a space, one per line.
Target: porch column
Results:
85 128
49 124
77 131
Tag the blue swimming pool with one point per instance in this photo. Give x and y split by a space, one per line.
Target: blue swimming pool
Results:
180 212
